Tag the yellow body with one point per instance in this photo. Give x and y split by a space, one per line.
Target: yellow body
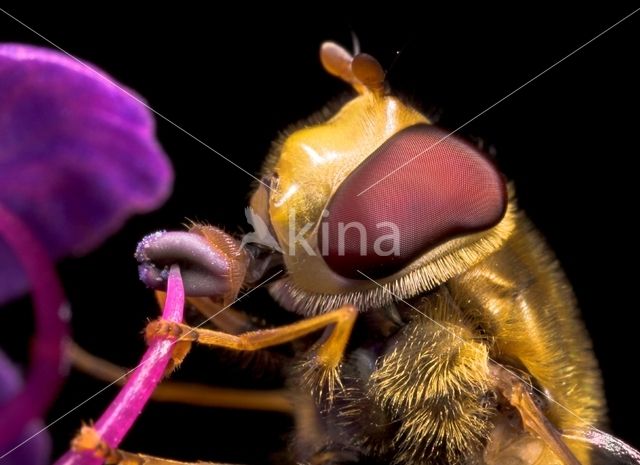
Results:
528 308
503 280
473 353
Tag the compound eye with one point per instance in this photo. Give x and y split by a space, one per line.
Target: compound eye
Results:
380 221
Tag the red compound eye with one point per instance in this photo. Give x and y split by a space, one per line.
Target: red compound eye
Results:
449 189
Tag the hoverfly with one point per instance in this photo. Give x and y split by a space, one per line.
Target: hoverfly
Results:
449 333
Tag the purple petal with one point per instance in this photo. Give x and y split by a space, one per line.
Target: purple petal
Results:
38 450
47 365
116 421
78 154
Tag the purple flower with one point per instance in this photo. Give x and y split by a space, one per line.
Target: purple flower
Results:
78 156
38 452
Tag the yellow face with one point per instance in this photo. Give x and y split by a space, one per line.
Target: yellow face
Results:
311 166
315 161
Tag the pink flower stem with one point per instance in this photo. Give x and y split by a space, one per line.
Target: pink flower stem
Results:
47 367
116 421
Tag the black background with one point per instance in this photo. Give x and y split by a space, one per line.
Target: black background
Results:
234 80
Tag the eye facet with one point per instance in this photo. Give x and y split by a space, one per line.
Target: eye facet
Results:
448 188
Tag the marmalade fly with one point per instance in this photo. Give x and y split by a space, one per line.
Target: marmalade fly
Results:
434 324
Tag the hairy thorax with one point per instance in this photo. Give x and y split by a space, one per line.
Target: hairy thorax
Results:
417 387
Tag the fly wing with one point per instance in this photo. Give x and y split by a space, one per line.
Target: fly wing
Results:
605 448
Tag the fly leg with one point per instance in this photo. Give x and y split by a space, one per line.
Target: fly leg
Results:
518 395
184 392
323 367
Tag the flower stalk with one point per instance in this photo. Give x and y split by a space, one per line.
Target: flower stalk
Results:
116 421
